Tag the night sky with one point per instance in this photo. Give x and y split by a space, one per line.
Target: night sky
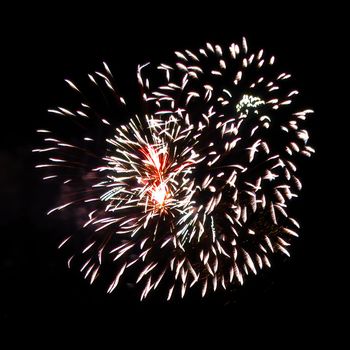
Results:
46 46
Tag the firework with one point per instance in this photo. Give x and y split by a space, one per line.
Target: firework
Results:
196 191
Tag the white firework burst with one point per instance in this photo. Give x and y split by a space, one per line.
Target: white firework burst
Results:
197 191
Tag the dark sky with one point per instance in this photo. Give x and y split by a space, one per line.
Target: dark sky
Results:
43 46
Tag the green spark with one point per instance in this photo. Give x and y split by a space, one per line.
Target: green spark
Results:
247 102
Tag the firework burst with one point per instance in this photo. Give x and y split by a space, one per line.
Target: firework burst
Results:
197 190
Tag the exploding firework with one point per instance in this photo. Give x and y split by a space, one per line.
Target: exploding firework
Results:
196 191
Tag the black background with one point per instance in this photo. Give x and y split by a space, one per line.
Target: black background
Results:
43 46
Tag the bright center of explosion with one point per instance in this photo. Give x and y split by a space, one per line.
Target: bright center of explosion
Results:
159 194
156 161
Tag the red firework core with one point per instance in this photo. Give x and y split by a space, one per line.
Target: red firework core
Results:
156 174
